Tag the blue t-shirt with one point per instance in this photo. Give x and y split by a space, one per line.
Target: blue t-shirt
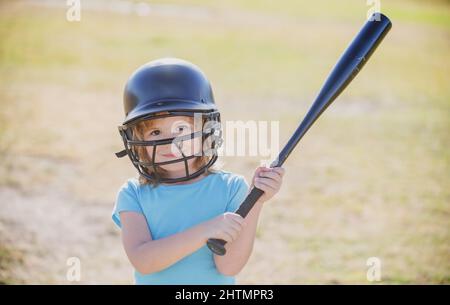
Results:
171 209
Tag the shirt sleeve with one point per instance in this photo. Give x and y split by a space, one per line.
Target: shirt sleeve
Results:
126 200
238 192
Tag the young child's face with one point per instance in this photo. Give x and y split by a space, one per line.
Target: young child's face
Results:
171 127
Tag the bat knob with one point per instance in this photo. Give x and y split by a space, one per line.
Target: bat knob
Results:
217 246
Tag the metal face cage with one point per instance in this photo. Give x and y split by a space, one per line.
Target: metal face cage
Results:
210 131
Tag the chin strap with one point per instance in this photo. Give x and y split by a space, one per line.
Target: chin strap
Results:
121 154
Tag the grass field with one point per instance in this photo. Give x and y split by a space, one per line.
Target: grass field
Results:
370 179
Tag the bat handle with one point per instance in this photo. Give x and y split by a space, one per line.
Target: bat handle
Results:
218 245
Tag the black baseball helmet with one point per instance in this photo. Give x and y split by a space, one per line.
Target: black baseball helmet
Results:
163 88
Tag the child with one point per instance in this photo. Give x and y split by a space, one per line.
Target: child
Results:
171 134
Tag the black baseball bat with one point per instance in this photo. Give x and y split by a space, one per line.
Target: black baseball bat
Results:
348 66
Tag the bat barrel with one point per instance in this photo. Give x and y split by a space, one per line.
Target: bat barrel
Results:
348 66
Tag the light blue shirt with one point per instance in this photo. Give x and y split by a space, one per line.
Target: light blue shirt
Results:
171 209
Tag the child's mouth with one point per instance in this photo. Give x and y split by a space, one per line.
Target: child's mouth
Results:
169 155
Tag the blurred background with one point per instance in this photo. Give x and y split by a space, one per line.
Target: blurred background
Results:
370 179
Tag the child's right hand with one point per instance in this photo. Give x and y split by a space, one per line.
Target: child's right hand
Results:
226 226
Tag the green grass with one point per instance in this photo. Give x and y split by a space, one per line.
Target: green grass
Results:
9 259
434 13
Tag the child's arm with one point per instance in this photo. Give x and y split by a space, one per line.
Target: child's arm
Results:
148 256
238 252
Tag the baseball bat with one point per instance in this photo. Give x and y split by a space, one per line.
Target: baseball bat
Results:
348 66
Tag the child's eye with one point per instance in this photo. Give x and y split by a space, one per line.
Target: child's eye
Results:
182 128
155 133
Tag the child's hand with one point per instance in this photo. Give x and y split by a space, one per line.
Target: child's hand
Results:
226 226
268 180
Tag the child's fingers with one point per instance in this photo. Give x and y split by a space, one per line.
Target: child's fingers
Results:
240 221
258 171
236 219
264 169
223 232
226 236
233 234
279 170
235 225
234 229
265 188
266 184
271 175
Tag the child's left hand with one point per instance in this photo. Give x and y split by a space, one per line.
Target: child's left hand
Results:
268 180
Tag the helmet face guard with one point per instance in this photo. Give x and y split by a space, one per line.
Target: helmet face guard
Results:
210 136
164 88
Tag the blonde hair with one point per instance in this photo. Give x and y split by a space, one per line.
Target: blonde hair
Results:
139 131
